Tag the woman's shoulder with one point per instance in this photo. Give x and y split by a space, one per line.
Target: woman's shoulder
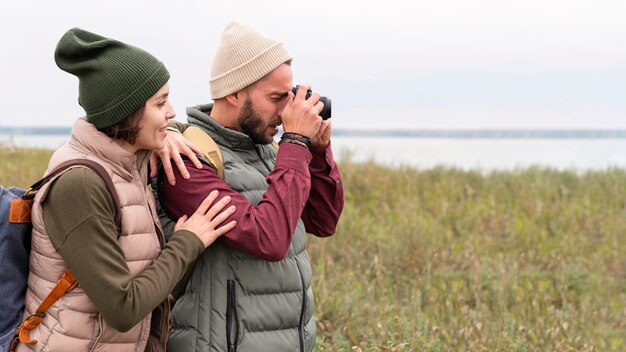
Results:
77 188
79 178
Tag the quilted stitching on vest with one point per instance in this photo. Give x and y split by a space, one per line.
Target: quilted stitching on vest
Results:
74 318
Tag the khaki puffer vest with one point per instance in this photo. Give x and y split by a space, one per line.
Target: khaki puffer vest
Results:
234 300
72 323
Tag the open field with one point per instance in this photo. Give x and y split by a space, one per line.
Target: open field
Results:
449 260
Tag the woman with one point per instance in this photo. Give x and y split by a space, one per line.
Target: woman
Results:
123 274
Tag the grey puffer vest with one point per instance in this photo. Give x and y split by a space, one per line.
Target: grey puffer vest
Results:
234 301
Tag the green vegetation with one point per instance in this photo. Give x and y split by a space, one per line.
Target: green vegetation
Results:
450 260
22 167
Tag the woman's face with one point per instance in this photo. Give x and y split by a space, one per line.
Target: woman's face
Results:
153 123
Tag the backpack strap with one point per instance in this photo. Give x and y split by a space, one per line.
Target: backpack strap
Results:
20 207
210 150
207 145
67 281
65 284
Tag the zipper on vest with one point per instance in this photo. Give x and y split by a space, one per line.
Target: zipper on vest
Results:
301 323
231 316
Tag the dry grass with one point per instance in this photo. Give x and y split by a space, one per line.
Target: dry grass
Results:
22 167
449 260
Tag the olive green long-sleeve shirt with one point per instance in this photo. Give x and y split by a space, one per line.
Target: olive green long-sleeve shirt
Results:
79 218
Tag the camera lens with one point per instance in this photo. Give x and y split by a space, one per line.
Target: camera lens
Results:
325 113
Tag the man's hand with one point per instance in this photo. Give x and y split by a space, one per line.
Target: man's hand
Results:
302 115
174 145
322 137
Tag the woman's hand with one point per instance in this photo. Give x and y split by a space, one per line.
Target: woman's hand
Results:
205 221
174 145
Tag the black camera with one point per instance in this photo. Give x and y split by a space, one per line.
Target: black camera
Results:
325 113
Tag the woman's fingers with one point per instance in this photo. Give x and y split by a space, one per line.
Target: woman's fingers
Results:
217 207
181 222
206 203
225 228
222 216
182 219
190 151
206 221
154 166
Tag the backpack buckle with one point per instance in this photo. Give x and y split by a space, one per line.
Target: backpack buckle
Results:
31 322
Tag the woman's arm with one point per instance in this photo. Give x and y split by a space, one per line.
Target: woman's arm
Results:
78 215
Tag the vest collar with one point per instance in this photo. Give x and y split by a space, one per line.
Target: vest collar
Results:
199 115
85 135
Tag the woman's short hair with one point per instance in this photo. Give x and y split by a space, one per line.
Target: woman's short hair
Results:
126 130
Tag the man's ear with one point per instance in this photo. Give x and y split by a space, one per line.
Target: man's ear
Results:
235 99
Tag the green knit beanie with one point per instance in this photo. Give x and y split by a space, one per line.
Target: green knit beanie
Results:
115 79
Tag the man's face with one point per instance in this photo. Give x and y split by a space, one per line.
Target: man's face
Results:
259 116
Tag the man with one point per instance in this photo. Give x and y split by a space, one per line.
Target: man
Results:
251 290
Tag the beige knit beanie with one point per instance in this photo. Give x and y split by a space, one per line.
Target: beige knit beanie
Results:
244 55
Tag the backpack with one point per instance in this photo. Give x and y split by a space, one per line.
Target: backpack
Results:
207 145
15 238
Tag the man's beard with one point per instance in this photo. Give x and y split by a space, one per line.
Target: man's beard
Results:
252 124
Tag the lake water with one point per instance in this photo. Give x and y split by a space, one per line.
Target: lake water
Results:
489 153
465 153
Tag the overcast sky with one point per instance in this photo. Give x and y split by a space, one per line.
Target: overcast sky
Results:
385 64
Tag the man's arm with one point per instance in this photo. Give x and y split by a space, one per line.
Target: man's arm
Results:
326 198
264 230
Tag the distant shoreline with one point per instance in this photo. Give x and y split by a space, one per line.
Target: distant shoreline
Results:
416 133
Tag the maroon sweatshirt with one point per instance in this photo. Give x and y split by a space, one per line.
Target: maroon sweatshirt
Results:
304 184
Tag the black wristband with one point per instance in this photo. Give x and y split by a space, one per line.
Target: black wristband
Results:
293 141
298 137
